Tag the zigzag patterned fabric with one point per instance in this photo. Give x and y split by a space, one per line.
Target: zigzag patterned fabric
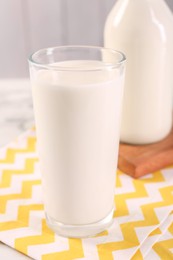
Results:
143 220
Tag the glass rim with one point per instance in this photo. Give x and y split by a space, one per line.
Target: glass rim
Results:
49 50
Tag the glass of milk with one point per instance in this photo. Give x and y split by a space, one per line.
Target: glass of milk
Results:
77 96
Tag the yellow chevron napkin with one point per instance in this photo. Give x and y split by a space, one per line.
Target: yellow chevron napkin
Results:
143 220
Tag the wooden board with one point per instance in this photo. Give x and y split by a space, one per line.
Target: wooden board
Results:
137 161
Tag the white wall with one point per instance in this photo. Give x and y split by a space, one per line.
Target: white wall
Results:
27 25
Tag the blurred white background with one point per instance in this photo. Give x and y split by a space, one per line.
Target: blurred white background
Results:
28 25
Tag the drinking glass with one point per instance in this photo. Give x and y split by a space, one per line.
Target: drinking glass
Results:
77 96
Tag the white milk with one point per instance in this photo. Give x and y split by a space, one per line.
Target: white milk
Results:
77 121
143 30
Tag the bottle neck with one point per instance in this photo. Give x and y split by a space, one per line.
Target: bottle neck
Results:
141 3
